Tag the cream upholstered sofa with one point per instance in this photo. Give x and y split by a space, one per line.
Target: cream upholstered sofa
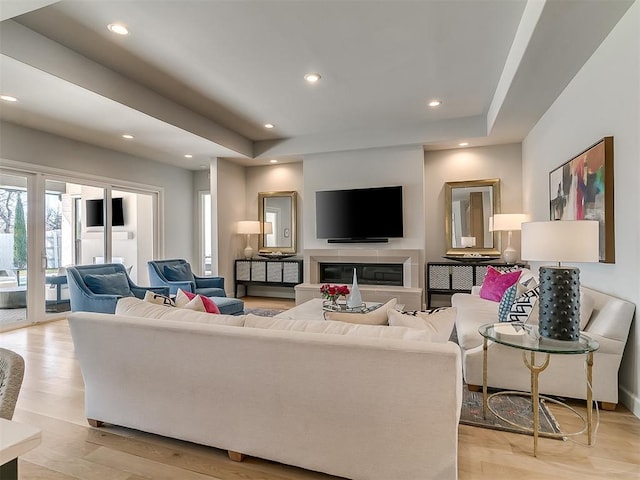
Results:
608 324
372 402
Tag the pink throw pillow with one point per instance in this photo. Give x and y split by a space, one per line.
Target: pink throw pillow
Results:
496 283
209 305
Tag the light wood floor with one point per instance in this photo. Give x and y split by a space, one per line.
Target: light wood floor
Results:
52 399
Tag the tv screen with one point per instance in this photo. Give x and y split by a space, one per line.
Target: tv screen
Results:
359 214
95 212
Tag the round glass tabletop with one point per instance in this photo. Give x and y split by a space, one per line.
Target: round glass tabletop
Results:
527 337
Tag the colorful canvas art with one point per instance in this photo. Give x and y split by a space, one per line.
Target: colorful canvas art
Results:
582 189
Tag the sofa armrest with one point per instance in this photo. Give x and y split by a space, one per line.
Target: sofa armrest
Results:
209 282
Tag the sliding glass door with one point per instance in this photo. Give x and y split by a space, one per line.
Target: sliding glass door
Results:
49 222
13 249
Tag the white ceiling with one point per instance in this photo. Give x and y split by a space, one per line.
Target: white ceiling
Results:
202 77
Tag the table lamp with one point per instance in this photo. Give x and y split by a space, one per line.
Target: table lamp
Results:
248 227
560 241
508 222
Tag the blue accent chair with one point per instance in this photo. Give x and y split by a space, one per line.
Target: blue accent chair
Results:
97 288
176 274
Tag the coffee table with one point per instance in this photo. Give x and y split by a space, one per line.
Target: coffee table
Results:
310 310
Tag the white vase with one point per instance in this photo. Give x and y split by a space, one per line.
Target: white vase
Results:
354 299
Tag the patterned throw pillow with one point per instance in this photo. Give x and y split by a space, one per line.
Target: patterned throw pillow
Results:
158 299
506 302
523 306
438 322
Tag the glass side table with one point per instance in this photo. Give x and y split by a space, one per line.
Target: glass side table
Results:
527 338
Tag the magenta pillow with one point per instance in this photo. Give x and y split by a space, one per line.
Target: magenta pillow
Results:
496 283
209 305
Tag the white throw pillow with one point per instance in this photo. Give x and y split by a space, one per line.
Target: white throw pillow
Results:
376 317
438 322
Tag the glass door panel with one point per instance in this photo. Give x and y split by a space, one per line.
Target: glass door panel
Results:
13 250
133 232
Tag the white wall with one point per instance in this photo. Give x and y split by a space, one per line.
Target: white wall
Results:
601 100
498 161
368 168
22 144
229 196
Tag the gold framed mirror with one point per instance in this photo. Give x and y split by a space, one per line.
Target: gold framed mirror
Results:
468 207
277 215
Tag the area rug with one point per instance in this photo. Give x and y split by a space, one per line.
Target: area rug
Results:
516 408
263 312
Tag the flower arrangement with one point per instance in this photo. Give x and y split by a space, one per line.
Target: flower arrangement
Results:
333 292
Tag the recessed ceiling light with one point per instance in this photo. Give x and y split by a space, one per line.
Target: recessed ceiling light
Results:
312 77
463 144
269 125
273 160
188 155
435 103
127 136
118 29
8 98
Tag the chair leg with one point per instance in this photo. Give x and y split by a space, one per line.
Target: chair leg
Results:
608 406
235 456
95 423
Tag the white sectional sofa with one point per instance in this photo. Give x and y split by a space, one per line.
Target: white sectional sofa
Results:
565 376
364 402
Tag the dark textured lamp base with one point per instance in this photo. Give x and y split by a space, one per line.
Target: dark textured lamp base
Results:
560 303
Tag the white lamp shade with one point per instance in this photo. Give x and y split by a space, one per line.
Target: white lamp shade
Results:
561 241
505 222
249 226
268 228
467 241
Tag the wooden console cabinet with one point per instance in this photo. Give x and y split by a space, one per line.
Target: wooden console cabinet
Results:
447 278
267 273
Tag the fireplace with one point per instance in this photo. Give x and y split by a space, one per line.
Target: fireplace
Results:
367 273
383 273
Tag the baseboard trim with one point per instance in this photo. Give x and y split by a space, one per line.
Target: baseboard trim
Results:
629 400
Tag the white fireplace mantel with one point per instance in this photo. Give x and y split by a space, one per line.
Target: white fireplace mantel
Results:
410 294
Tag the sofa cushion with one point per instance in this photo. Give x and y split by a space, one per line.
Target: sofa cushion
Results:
109 284
496 283
137 308
178 273
438 322
376 317
338 328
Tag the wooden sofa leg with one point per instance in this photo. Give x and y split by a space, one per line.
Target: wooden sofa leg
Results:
235 456
474 388
95 423
608 406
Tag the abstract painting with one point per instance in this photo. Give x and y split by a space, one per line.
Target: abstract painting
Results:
582 189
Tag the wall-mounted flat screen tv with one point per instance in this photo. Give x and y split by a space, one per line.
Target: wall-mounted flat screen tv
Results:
359 215
95 212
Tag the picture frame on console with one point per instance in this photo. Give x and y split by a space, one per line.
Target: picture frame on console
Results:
583 189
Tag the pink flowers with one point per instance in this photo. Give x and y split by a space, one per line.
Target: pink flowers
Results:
333 292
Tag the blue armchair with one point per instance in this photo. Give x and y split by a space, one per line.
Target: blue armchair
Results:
176 274
97 288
